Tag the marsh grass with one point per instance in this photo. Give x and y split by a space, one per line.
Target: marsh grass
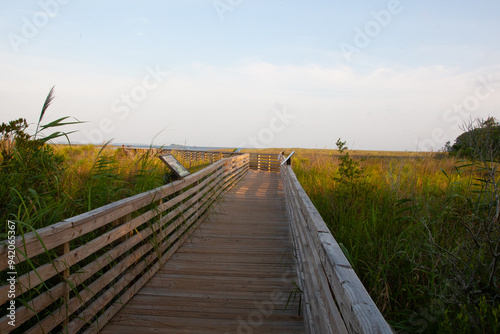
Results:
398 223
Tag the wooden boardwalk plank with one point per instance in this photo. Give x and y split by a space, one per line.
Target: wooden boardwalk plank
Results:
234 274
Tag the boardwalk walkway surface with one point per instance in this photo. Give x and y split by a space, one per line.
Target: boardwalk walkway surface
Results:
234 274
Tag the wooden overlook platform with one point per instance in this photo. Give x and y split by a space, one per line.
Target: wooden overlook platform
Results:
234 248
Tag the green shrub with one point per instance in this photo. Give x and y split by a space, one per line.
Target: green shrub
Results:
31 171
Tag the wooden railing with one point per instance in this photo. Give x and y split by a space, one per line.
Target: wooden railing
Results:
199 157
335 300
85 268
265 162
258 161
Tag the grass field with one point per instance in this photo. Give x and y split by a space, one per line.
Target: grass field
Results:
418 230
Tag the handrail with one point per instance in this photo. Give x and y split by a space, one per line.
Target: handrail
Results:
287 158
269 162
127 242
335 300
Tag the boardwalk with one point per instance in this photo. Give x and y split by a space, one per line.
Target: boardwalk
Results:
234 274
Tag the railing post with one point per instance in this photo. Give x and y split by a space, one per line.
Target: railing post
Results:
121 221
66 272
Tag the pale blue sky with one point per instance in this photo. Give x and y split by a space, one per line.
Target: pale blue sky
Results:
383 75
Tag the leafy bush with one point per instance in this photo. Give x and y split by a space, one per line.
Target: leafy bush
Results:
31 170
42 183
480 140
